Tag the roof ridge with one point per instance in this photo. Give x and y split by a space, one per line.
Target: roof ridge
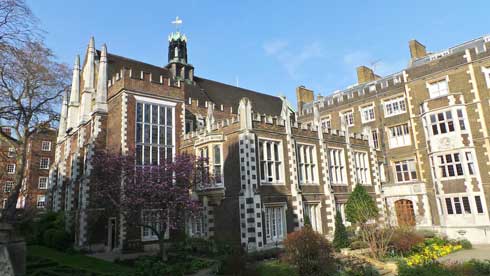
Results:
238 87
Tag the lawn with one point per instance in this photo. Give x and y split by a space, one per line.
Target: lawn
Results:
275 268
46 261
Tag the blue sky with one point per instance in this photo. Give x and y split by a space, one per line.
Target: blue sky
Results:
269 46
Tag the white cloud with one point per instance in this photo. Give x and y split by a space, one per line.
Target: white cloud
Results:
292 60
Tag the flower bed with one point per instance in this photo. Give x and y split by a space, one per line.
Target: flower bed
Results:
431 250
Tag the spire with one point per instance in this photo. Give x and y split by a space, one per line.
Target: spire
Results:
72 119
63 115
88 80
101 96
210 116
245 113
89 70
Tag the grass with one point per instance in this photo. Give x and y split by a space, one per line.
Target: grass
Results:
77 261
275 268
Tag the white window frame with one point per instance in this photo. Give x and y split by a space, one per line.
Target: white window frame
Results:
445 166
347 116
147 234
46 146
375 138
399 135
457 203
44 163
438 88
442 122
207 151
266 177
368 113
275 222
8 186
361 167
311 209
326 122
11 152
10 168
142 144
41 179
407 170
337 166
41 204
196 225
394 106
307 164
486 73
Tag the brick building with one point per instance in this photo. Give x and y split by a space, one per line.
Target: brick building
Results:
429 127
270 171
40 155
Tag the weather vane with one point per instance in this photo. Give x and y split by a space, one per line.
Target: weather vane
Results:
177 22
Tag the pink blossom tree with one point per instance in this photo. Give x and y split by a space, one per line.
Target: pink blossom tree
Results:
156 197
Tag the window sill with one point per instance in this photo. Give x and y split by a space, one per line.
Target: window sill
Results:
396 147
396 114
272 184
309 184
339 184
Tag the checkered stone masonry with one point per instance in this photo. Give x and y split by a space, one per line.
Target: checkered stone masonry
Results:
251 229
297 201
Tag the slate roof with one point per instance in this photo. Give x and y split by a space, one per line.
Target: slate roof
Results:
204 89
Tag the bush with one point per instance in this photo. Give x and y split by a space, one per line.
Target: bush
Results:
273 253
366 270
479 268
426 233
233 264
57 239
358 245
341 239
466 244
430 269
309 251
153 266
404 240
360 206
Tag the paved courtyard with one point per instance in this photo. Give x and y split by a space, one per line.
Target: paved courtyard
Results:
480 252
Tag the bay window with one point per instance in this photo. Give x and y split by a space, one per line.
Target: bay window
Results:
450 165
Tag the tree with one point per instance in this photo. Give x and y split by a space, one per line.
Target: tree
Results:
31 85
17 23
156 197
341 239
360 206
361 210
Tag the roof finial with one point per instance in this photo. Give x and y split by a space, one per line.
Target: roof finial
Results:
177 22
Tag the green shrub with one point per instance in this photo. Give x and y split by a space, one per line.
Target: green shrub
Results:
233 264
479 268
309 252
57 239
466 244
341 239
404 240
359 271
273 253
358 245
360 206
431 269
427 233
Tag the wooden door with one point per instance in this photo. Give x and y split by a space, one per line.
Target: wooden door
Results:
404 212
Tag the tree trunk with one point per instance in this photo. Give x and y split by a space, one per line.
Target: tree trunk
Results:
163 251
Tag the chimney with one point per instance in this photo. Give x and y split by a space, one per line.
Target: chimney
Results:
365 74
417 49
303 95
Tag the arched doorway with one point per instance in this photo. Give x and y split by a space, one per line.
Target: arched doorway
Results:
404 212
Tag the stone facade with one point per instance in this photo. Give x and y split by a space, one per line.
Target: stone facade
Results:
430 130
